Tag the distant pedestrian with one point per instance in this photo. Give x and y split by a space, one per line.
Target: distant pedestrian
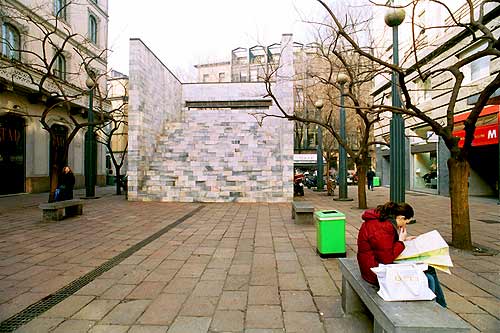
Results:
369 177
66 182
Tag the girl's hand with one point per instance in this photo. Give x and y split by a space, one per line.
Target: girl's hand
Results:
402 234
410 237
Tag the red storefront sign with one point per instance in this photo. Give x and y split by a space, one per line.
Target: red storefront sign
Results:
483 135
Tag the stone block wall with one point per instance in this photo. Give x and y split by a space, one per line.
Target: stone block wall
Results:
205 155
219 156
154 97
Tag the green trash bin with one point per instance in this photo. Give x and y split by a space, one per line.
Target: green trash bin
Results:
330 233
376 181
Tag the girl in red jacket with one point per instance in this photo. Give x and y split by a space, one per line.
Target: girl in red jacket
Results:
380 241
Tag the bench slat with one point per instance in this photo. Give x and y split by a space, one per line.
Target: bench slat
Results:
303 206
414 316
61 204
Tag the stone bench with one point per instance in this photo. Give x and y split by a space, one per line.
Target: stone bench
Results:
302 212
56 211
412 316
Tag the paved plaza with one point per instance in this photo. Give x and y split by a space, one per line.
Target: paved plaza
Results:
206 267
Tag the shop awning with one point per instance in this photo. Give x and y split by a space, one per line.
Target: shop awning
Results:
484 134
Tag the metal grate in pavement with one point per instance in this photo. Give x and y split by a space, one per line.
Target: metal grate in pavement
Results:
490 221
35 309
416 194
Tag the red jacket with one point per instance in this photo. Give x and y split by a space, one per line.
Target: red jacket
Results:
377 243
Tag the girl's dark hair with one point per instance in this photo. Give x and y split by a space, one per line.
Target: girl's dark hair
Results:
392 209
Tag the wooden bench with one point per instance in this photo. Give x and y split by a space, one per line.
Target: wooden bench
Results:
302 212
56 211
416 316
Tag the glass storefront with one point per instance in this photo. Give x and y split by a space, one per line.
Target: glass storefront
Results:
425 171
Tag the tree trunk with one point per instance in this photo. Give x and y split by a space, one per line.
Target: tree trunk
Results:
459 197
53 181
118 181
329 185
361 171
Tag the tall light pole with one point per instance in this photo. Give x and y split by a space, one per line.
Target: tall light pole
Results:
90 145
342 79
393 18
319 149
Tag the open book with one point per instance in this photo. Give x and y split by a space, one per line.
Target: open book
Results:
429 248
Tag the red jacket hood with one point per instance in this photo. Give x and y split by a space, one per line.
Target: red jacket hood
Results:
370 214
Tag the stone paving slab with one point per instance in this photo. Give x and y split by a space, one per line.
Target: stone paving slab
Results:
228 268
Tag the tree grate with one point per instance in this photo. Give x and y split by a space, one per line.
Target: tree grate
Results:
35 309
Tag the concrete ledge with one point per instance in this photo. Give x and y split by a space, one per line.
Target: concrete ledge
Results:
303 212
412 316
56 211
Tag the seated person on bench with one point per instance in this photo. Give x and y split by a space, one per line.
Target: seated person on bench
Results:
380 240
64 190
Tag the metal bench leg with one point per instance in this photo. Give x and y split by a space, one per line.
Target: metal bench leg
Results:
350 300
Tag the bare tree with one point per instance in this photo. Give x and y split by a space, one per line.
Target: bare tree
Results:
112 133
473 28
331 58
41 63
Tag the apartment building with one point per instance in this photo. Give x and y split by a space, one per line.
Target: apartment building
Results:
214 72
440 43
34 70
118 84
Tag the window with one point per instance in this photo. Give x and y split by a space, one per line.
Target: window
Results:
222 76
477 69
93 29
243 77
205 77
60 67
421 21
11 42
423 90
60 9
425 170
253 75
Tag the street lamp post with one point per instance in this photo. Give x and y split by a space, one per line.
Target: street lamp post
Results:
90 146
393 18
342 79
319 149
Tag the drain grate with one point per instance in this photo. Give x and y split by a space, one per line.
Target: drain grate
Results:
34 310
416 194
490 221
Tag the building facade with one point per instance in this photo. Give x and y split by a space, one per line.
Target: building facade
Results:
214 72
26 149
426 154
118 129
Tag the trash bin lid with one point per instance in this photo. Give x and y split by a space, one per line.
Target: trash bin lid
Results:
329 215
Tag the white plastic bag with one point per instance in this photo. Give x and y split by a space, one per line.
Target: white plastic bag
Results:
403 282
